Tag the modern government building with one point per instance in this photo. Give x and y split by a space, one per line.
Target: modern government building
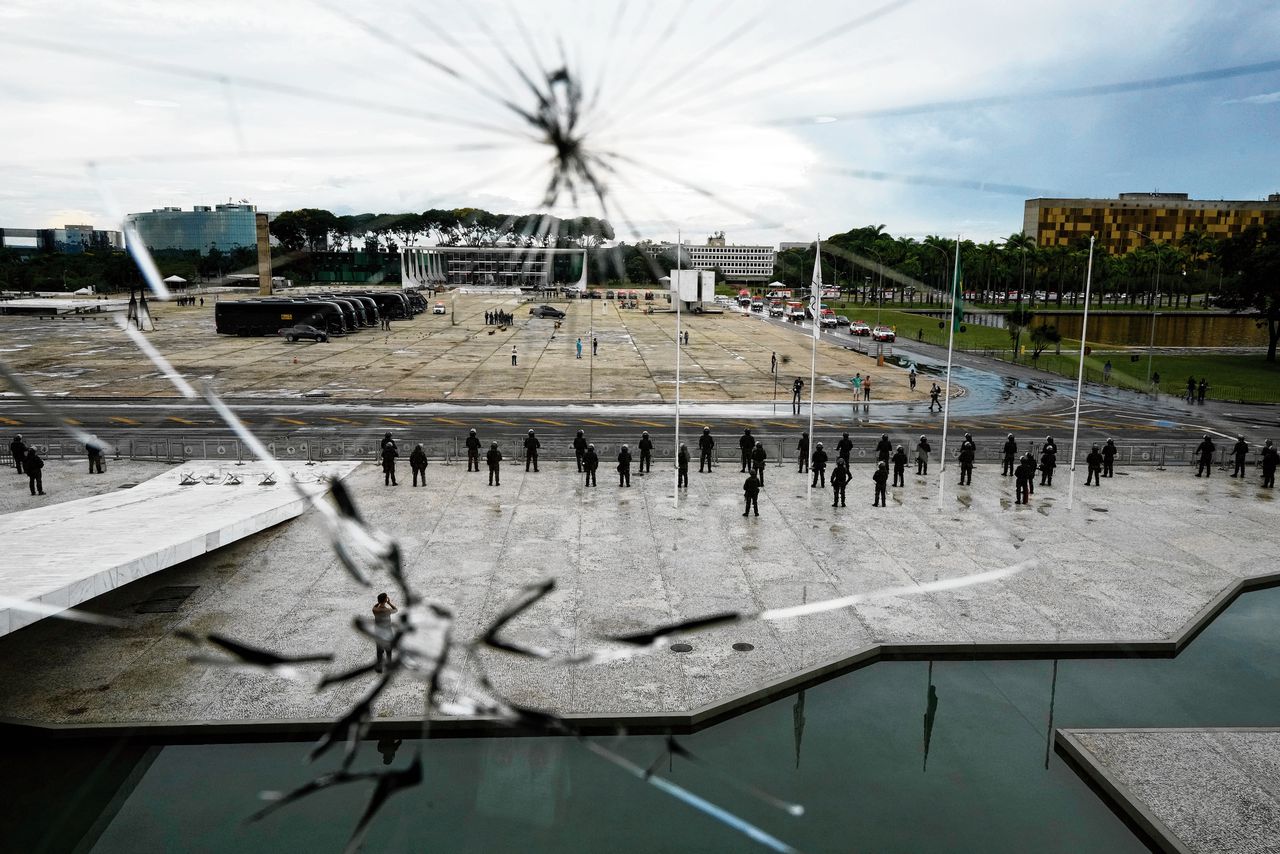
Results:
1163 217
202 228
737 263
69 240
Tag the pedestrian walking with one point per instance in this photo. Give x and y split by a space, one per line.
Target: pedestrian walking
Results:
883 448
796 388
1048 462
1205 452
1010 454
595 346
33 465
1201 390
1106 372
590 462
1109 458
383 633
473 451
1023 473
899 461
968 452
624 467
840 478
819 467
94 450
922 456
494 459
751 492
1241 453
935 392
881 479
911 378
531 446
866 387
682 467
514 356
746 444
773 363
418 463
579 448
1270 458
802 452
18 450
1191 389
646 452
578 347
844 447
705 445
758 457
1094 464
1155 383
389 454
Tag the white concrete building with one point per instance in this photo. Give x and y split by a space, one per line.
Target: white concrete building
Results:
738 263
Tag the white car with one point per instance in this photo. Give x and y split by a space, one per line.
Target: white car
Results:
883 333
859 328
438 308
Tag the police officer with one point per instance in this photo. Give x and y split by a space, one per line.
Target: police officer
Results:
751 491
473 451
840 478
624 467
844 447
899 467
590 462
1094 463
1241 452
1048 443
1023 474
32 465
646 452
18 449
387 440
418 462
494 457
758 456
935 391
1010 453
881 478
746 444
796 388
1270 457
94 450
682 467
705 444
579 447
1030 459
1205 449
922 456
389 454
531 446
802 451
819 462
1109 458
884 448
1048 462
966 463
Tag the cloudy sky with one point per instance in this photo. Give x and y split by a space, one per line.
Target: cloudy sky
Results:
768 120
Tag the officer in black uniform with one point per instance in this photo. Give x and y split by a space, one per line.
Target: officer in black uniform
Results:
646 452
682 467
819 462
33 467
531 446
1010 453
590 462
900 467
579 447
796 388
1205 450
18 449
758 456
844 447
1094 463
746 444
802 452
705 444
94 450
389 454
1023 474
418 463
473 451
624 467
751 491
884 448
966 463
1109 458
1270 457
1241 453
1030 459
494 457
881 478
840 478
922 456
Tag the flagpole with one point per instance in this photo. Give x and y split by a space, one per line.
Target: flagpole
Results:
946 394
1084 331
815 299
677 298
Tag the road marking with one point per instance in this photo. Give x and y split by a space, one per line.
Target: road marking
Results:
780 423
548 421
597 423
340 420
449 421
178 420
10 422
747 424
399 421
647 423
122 420
500 421
70 421
291 421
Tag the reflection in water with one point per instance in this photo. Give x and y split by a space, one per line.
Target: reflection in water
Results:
797 723
930 715
1053 696
388 747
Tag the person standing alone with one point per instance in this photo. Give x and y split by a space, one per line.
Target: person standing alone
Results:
839 482
646 452
705 444
33 466
382 630
473 451
418 463
751 492
389 454
881 479
796 388
494 459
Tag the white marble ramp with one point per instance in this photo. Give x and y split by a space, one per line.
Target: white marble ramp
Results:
64 554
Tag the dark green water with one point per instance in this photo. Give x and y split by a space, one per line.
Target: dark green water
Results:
852 751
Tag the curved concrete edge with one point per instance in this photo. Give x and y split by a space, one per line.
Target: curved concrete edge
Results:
1117 795
297 729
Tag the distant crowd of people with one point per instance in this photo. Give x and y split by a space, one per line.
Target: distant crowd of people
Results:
499 318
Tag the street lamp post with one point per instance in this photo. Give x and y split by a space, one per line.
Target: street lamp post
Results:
1155 304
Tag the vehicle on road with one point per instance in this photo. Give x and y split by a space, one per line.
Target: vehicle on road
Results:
757 305
858 327
299 331
827 319
547 311
841 320
795 312
883 333
438 308
776 308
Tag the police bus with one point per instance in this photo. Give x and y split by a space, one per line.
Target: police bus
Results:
269 316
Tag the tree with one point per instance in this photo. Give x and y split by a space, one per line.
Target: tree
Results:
1042 337
1251 267
1015 322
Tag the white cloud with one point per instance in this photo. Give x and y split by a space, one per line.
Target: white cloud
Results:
1264 98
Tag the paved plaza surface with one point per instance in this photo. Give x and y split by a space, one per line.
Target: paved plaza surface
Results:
1135 561
1207 791
431 358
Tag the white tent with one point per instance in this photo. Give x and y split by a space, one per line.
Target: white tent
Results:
174 280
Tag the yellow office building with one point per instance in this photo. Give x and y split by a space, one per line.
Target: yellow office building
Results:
1164 217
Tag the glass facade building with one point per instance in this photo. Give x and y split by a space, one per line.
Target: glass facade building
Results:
202 228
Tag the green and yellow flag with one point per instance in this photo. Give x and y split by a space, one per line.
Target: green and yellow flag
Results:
957 293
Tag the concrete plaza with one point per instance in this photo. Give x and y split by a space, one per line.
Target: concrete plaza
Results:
1135 562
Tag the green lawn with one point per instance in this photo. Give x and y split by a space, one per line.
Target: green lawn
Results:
910 326
1231 377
